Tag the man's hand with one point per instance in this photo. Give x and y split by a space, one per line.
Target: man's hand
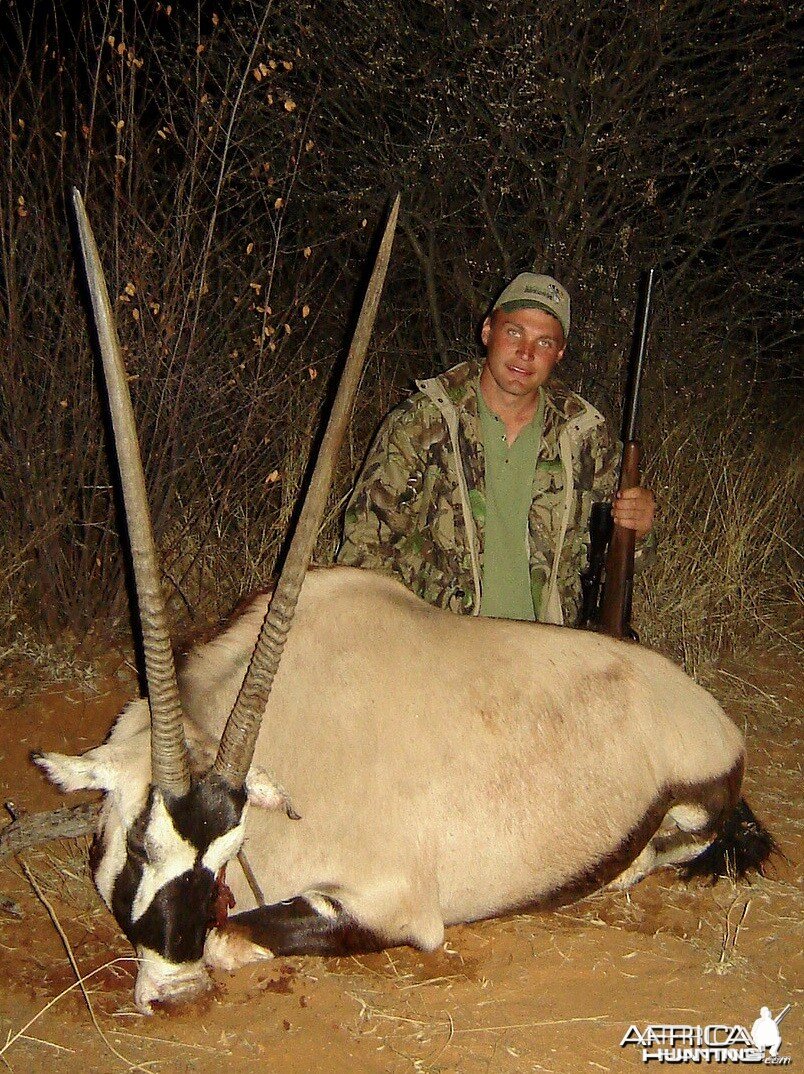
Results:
633 509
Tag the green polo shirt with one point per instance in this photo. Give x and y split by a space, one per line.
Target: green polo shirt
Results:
510 468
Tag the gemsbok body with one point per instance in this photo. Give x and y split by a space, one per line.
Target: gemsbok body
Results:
400 769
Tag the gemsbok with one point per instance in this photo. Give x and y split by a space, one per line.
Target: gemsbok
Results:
400 769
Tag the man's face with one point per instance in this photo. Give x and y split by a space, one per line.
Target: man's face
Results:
523 348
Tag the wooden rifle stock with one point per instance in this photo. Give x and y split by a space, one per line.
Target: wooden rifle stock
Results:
615 609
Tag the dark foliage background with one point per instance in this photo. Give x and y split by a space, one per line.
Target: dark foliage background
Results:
235 160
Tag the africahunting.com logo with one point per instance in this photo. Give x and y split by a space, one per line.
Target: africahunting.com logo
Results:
712 1043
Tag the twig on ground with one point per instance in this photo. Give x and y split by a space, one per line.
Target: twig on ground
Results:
80 982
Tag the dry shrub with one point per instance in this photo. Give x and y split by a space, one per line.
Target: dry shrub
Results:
191 218
233 164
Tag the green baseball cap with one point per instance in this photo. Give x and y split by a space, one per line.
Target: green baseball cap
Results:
530 290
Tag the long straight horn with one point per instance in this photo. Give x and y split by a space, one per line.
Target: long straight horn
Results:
240 735
170 769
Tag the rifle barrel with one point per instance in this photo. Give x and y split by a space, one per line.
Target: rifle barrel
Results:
615 607
636 361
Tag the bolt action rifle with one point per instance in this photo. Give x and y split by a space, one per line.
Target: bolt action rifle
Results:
607 583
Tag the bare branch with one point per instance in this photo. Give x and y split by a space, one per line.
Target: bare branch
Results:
33 829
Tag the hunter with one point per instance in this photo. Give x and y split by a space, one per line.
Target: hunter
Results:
477 490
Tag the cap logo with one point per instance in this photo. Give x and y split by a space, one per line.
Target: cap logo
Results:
552 292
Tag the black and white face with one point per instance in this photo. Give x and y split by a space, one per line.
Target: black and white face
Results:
155 863
163 897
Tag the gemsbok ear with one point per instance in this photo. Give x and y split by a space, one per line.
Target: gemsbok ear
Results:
265 793
90 772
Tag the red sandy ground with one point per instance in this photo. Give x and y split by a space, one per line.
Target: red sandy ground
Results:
535 992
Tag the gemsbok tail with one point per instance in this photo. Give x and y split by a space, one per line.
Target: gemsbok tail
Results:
743 846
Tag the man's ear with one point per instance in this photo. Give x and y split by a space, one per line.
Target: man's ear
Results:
485 331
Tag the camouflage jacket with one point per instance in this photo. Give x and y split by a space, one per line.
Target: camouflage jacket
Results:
417 511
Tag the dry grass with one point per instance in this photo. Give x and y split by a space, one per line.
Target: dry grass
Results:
28 662
730 526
